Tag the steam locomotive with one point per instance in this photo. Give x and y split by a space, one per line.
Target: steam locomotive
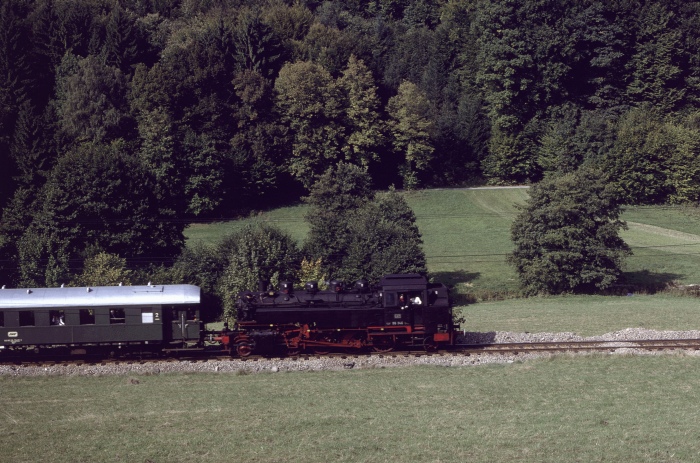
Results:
402 310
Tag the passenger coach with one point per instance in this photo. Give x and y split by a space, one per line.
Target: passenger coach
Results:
128 318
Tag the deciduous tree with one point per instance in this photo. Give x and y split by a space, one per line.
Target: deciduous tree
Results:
256 252
412 126
311 106
356 235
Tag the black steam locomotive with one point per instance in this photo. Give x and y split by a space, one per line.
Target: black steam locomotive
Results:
402 310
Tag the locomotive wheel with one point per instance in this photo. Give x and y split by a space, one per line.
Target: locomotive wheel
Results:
383 345
293 351
429 344
244 349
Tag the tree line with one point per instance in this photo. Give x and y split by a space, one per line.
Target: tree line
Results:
123 120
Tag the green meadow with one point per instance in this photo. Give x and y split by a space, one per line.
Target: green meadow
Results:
565 409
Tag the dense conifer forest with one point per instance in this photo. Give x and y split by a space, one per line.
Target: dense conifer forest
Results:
123 120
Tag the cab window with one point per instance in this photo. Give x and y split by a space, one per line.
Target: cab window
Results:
415 298
390 300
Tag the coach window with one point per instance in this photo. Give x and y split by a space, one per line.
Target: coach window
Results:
2 318
26 318
57 317
87 317
116 316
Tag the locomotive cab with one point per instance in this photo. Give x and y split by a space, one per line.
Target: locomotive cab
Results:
409 300
403 308
404 298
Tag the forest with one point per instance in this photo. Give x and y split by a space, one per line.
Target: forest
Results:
122 121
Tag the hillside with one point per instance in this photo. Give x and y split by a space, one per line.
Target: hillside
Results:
466 234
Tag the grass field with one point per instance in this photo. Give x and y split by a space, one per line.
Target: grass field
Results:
584 315
571 409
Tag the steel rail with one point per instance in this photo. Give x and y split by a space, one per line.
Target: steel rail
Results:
457 349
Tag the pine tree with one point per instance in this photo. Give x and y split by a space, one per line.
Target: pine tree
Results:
566 236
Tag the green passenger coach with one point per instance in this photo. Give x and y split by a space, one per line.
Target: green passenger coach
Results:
117 318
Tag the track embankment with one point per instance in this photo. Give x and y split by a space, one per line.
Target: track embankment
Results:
473 349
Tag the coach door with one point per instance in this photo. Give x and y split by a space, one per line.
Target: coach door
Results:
183 324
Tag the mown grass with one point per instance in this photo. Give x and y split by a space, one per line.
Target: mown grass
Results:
290 219
666 245
466 236
584 315
600 408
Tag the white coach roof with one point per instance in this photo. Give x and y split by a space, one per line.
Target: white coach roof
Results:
99 296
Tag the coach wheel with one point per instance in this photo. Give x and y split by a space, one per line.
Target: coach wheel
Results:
429 344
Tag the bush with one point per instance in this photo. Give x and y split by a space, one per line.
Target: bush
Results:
257 252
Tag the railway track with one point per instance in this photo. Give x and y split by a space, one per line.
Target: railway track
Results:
456 350
530 347
580 346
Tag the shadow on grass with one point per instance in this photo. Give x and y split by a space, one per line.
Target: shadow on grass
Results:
452 279
646 281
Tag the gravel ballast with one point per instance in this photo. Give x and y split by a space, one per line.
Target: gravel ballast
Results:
318 363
